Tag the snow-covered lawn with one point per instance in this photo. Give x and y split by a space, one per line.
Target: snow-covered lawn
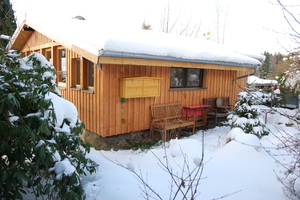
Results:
241 169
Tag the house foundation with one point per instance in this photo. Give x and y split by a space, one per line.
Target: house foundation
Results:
115 142
127 140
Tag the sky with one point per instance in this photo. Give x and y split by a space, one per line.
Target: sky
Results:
251 26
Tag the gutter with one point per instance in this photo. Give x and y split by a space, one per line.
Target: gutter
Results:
101 52
245 76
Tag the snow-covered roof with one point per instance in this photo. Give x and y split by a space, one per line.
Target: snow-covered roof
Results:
259 57
113 42
261 82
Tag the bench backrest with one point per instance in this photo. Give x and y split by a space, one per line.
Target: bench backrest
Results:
166 110
225 101
210 101
213 101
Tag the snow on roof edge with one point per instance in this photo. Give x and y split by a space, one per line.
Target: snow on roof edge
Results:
260 58
169 58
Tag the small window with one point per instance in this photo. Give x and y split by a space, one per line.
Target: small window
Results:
48 55
61 67
90 74
176 77
194 77
186 78
77 72
82 74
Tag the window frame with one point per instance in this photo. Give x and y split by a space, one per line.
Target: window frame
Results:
84 83
185 80
74 73
90 74
59 66
48 55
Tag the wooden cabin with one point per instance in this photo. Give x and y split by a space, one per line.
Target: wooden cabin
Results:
113 88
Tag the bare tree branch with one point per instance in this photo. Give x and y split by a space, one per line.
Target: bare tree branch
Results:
291 20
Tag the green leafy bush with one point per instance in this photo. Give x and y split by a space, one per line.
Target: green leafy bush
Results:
41 151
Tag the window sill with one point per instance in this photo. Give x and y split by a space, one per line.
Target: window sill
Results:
61 87
88 90
83 90
75 88
186 89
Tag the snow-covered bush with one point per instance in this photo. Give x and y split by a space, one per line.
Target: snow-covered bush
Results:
246 113
271 98
290 80
41 151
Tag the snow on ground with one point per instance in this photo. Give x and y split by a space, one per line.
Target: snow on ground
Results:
241 167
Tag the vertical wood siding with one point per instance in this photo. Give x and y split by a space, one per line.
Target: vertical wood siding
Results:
85 102
36 42
136 111
102 111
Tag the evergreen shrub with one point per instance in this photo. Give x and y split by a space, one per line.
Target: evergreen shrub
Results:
40 153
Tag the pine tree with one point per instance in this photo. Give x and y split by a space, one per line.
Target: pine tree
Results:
7 22
266 69
278 65
246 113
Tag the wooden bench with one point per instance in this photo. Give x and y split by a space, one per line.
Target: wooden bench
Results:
169 116
219 108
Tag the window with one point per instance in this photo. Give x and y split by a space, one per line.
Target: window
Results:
82 74
90 74
186 78
48 55
77 72
61 66
194 77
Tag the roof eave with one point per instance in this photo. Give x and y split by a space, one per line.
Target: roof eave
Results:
21 35
174 59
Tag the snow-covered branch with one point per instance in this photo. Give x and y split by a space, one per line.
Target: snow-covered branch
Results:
5 37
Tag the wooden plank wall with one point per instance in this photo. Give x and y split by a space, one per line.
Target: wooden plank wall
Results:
241 83
36 43
136 111
88 104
